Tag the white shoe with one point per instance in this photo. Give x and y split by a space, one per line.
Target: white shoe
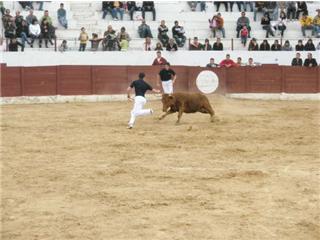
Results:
130 126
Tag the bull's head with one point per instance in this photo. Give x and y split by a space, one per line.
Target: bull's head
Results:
168 100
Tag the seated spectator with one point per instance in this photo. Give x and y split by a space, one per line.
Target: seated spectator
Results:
265 46
124 45
245 3
172 46
118 9
266 25
148 6
195 45
40 5
193 5
123 35
159 60
147 45
10 30
316 24
26 5
46 33
131 8
163 33
251 63
286 46
95 41
244 33
306 23
110 41
243 21
217 3
309 46
178 34
63 47
83 40
299 46
259 7
239 3
206 46
297 61
253 45
62 16
281 23
212 63
227 62
291 10
144 30
158 47
301 7
310 61
35 32
216 23
276 46
13 45
239 62
24 33
218 46
107 7
30 18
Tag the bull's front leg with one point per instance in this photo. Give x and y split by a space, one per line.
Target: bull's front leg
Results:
181 109
166 114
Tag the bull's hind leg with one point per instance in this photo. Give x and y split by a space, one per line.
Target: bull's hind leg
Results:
208 109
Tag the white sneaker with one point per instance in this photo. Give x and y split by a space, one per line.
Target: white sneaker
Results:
130 127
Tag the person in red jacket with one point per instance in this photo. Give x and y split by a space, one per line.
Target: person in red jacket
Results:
227 62
159 60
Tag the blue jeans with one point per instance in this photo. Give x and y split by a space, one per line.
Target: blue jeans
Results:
24 38
316 31
116 11
63 21
105 12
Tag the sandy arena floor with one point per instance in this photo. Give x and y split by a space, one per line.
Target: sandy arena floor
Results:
73 171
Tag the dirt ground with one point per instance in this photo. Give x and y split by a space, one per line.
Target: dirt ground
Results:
73 171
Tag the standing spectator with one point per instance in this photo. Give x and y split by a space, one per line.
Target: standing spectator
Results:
286 46
83 39
144 30
35 32
178 34
147 45
309 46
301 7
10 30
95 41
218 46
148 6
2 9
158 47
107 7
131 8
297 61
253 45
245 3
46 17
316 24
163 33
306 23
206 46
63 47
291 10
172 46
227 62
167 77
244 35
266 25
243 21
299 46
265 46
195 45
217 3
159 60
216 23
18 22
276 46
13 45
259 7
281 23
212 63
6 18
62 16
118 8
46 33
110 41
310 61
31 18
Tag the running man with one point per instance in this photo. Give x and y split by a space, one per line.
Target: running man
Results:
167 77
140 87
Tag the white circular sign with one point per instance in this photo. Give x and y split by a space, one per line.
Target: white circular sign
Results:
207 81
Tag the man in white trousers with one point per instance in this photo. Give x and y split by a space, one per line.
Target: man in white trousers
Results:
140 87
167 77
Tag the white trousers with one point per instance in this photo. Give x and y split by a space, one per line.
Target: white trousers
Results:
138 110
167 86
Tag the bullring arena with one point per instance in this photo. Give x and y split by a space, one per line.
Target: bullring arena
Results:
70 168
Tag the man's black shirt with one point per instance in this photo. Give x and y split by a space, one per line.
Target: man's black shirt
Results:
166 75
140 86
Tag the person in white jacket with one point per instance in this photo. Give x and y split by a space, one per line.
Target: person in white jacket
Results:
35 32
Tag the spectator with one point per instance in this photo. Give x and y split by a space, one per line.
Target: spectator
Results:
244 35
193 5
10 30
253 45
243 21
309 46
265 46
299 46
124 45
131 8
217 3
276 46
316 24
306 23
218 46
144 30
62 16
286 46
227 62
35 32
216 23
280 25
245 3
259 7
239 3
46 17
310 61
148 6
195 45
266 25
239 62
110 41
63 47
31 18
18 22
270 7
301 7
95 41
172 46
159 60
206 46
158 47
297 61
46 33
26 5
123 35
178 34
107 7
291 10
6 18
163 33
24 33
251 63
13 45
118 9
147 45
83 39
212 63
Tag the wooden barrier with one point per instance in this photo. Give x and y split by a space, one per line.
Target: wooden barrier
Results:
87 80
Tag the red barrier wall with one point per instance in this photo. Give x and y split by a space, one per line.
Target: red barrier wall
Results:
86 80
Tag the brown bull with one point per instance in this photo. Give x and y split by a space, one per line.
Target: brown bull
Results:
186 103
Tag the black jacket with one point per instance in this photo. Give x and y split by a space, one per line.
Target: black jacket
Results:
13 47
296 62
312 61
264 47
299 47
217 47
148 5
276 47
309 47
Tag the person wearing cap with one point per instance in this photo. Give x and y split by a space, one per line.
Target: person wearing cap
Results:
159 60
167 77
141 87
212 63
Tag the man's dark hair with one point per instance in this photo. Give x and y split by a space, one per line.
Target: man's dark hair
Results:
141 75
167 63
